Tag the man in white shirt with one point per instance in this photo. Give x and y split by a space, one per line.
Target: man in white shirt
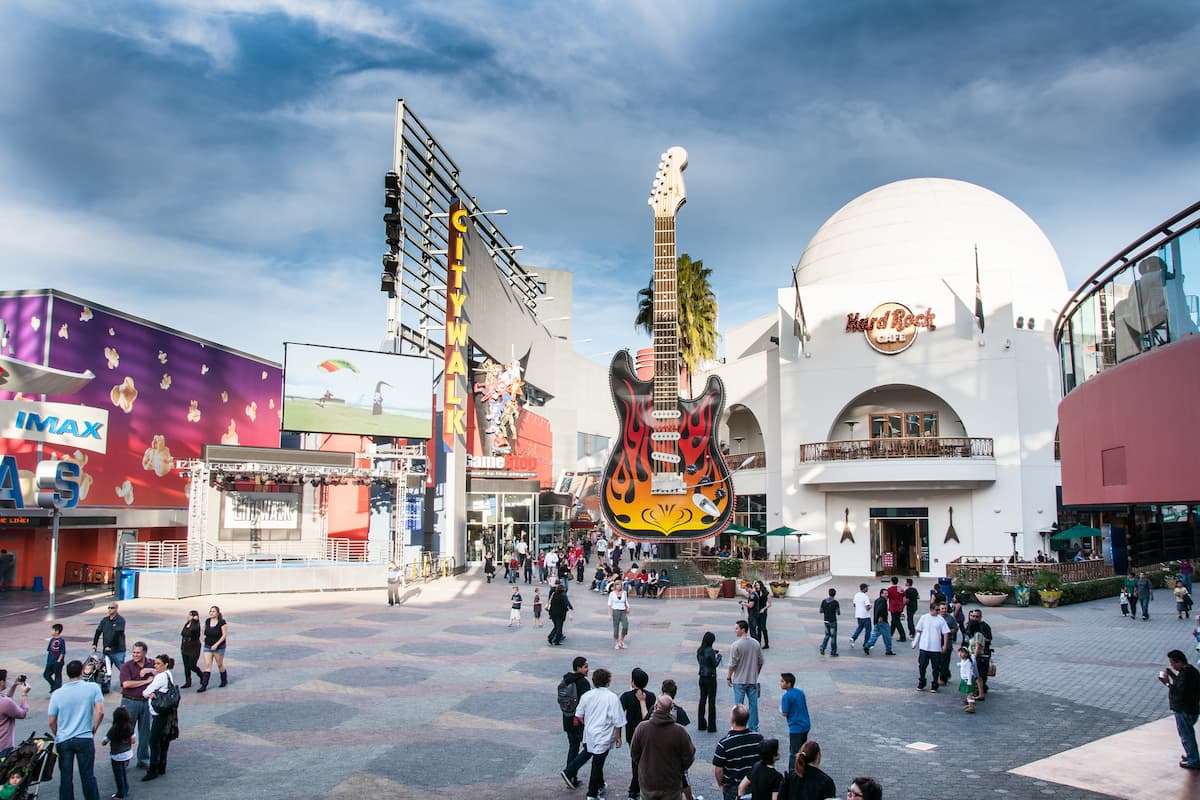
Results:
551 563
602 716
933 634
862 614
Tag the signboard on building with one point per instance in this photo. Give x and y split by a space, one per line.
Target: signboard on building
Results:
890 328
264 511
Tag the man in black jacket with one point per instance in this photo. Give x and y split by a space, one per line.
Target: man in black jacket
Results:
110 636
638 703
911 598
1183 685
557 607
983 661
577 676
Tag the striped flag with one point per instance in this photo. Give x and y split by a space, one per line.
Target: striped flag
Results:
978 294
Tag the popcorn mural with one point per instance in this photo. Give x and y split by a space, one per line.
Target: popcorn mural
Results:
108 361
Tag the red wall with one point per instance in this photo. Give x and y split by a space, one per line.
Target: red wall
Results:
91 546
1131 426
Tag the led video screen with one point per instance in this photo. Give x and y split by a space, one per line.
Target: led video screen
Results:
361 392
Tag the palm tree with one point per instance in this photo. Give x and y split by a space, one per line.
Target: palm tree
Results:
697 312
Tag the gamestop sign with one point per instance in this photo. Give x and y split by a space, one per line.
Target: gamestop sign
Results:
510 465
64 424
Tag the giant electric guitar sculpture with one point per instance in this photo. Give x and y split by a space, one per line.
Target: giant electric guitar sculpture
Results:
666 476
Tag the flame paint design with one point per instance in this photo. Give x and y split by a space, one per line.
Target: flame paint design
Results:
625 499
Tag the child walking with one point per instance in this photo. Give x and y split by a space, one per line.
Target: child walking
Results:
120 739
537 608
514 616
967 678
1124 603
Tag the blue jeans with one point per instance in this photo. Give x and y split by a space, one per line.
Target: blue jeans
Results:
882 629
830 639
79 752
1186 725
747 694
121 777
864 627
139 715
1145 601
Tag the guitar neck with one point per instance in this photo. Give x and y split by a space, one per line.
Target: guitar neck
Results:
666 317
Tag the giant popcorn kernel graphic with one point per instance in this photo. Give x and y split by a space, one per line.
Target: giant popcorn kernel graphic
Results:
252 410
36 323
111 332
62 332
165 383
158 457
85 314
162 357
271 403
204 369
193 414
113 357
264 375
230 436
125 492
224 397
124 395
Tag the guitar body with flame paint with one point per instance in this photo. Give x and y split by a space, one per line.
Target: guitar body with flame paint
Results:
666 477
627 500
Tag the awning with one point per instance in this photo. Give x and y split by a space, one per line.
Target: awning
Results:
1076 532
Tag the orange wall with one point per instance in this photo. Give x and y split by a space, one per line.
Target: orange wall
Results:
93 546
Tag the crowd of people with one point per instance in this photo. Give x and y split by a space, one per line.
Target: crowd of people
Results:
145 721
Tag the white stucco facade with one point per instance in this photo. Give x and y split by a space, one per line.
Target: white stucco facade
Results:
885 445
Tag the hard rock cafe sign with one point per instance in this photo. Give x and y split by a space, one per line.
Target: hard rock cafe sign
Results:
890 328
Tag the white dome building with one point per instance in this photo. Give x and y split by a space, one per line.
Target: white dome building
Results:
901 430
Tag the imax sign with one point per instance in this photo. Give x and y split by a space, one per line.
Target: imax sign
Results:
55 423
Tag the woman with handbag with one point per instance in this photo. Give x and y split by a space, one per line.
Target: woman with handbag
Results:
189 648
161 718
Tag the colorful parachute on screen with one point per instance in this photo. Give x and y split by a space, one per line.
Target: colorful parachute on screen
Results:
335 364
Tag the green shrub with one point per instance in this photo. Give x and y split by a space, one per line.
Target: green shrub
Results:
1047 579
729 567
991 583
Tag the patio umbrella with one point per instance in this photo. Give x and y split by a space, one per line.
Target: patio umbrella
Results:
1076 532
785 531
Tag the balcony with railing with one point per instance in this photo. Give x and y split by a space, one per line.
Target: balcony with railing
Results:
963 461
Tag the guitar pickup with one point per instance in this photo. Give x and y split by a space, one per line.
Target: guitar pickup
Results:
668 483
668 414
669 458
664 436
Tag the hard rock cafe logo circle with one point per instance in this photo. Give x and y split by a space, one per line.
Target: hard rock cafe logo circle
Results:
891 327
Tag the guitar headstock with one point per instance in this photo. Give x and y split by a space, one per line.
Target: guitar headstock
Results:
667 193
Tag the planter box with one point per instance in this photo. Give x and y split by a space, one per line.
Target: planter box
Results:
779 589
728 588
713 591
1021 593
1050 597
991 599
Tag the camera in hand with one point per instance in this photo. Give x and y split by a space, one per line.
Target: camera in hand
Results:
20 679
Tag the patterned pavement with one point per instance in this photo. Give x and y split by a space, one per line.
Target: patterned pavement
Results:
336 695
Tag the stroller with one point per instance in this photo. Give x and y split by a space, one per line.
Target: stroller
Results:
30 764
98 669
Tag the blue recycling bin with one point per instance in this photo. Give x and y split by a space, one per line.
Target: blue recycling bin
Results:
39 584
127 585
945 586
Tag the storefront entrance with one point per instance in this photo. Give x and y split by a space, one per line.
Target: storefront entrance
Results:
899 541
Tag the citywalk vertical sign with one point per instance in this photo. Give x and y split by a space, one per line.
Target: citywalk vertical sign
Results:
455 376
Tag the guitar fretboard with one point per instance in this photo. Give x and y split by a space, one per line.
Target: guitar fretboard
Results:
666 317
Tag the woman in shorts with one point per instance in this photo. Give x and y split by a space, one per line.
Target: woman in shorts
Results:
215 632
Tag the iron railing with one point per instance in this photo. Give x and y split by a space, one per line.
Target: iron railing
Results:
969 568
1139 299
797 567
898 447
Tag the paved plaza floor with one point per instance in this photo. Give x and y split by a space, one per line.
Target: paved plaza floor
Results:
337 695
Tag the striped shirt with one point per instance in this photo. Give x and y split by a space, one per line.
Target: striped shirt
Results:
737 753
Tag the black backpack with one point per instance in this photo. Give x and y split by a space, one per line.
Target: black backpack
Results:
568 697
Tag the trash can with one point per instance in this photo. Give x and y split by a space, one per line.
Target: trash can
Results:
39 585
946 588
127 585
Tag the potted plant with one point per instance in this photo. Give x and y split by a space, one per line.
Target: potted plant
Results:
990 589
714 589
1049 585
729 569
1021 593
779 586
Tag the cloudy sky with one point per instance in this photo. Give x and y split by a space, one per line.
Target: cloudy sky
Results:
216 165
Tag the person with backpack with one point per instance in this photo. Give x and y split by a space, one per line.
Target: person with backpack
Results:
570 689
161 720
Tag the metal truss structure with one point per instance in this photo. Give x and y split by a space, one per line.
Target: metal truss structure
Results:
422 185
